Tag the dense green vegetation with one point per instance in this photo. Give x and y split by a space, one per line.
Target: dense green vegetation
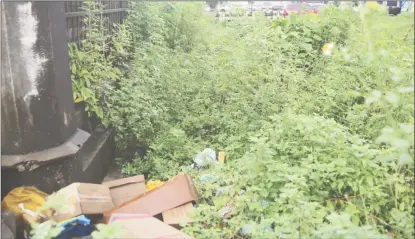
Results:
319 145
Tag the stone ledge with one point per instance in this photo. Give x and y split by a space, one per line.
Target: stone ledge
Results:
28 162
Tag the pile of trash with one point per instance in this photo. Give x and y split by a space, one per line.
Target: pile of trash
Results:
154 209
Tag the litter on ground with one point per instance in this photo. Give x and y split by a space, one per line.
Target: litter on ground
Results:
153 210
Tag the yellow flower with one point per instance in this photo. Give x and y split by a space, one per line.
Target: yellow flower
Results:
314 16
326 49
372 4
153 185
77 100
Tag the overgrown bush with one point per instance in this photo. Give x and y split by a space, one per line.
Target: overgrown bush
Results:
92 70
319 145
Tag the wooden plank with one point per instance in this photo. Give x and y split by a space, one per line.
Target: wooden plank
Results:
178 215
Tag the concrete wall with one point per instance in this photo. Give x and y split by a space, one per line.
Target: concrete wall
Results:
40 140
37 104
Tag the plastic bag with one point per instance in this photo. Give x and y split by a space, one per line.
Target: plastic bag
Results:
206 178
75 227
29 198
206 157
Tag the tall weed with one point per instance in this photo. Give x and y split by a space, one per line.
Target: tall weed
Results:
319 146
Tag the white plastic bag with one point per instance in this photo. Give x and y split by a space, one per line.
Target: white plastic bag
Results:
205 158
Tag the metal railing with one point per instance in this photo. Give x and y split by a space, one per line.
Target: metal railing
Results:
115 11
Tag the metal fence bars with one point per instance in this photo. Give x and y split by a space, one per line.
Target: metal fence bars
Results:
114 11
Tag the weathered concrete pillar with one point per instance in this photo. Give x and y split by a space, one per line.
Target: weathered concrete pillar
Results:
37 107
41 145
37 123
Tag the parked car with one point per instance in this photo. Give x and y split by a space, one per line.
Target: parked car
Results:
318 7
298 8
393 8
239 4
256 6
253 6
278 7
267 8
207 8
238 8
223 9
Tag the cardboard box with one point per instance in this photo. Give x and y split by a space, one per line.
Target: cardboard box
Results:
29 219
144 226
175 192
87 198
181 214
125 189
221 157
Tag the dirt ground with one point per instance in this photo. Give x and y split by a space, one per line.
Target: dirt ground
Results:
114 172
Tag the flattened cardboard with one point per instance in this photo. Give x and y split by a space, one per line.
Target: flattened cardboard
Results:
142 226
125 189
29 219
175 192
181 214
87 198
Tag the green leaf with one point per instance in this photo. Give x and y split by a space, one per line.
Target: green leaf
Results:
402 206
330 205
73 68
306 46
340 185
405 159
317 37
351 209
355 219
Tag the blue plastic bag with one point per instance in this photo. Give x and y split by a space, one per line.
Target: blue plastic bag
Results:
76 227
